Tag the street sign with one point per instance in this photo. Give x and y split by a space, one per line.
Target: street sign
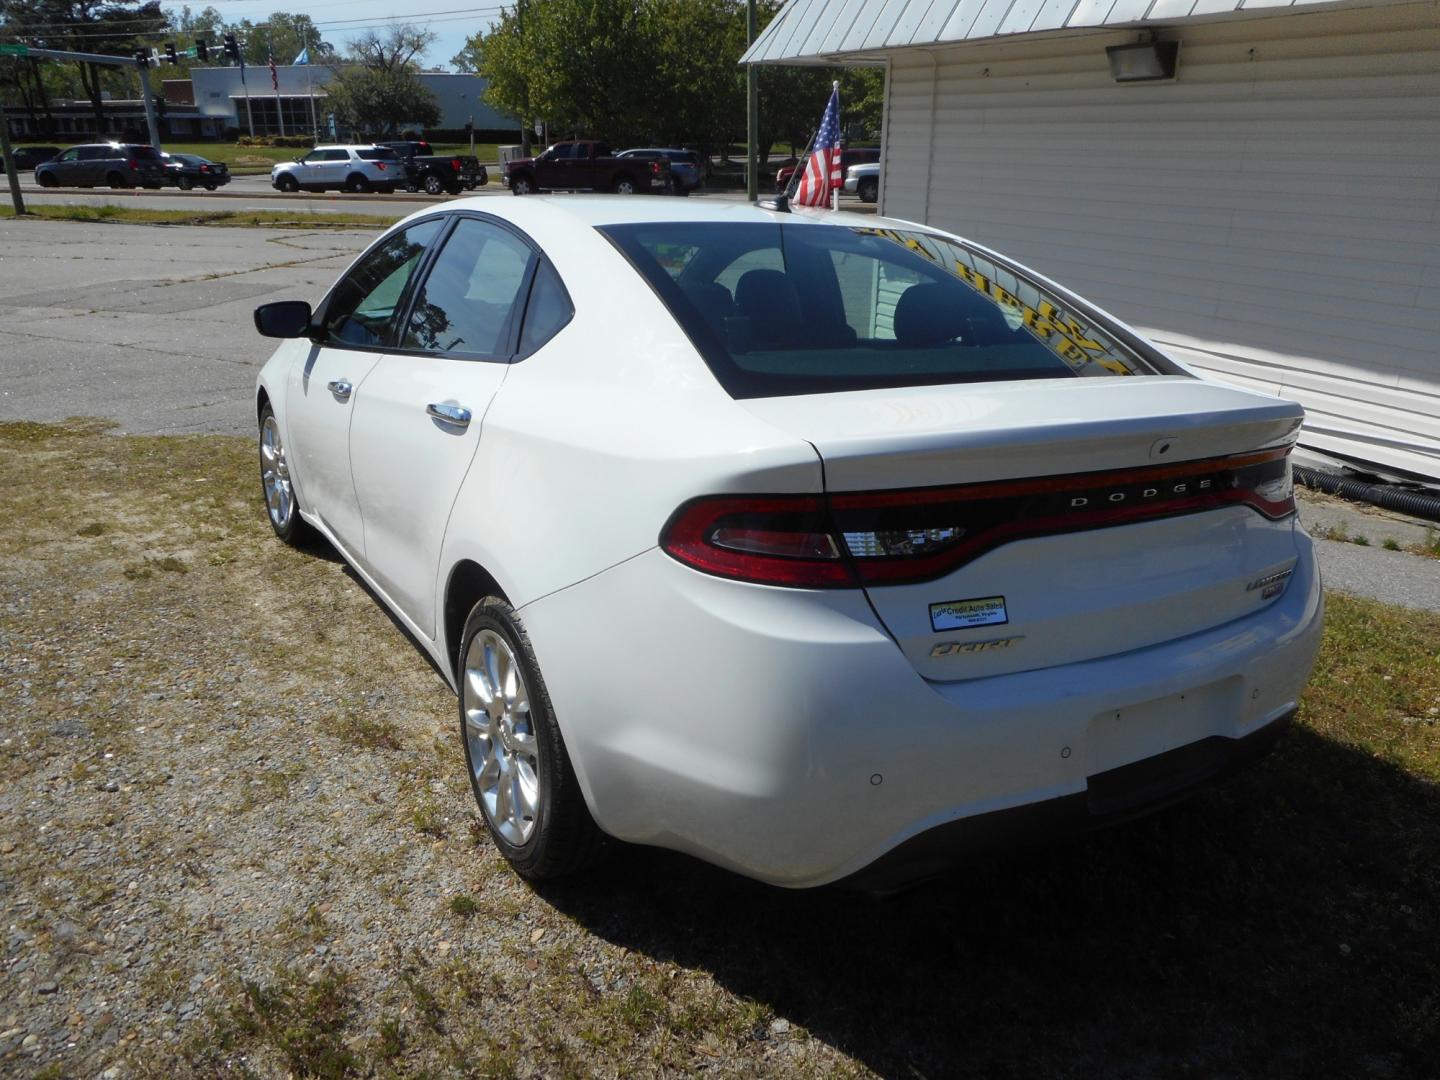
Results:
14 50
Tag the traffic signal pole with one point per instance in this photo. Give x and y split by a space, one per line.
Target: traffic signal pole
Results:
109 61
10 170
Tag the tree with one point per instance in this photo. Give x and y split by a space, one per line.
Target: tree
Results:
381 102
397 49
97 26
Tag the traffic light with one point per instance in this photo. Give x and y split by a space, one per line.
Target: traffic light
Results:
202 50
232 47
170 53
142 57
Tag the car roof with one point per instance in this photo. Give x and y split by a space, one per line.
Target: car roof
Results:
600 210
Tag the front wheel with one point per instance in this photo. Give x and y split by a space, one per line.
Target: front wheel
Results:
288 184
625 186
46 180
868 190
184 183
520 771
211 187
521 185
280 504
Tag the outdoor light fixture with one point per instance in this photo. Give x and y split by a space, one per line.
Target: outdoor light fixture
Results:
1144 62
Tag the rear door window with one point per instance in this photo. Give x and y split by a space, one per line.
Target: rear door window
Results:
470 301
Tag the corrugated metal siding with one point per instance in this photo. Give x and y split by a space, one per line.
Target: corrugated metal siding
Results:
812 29
1272 217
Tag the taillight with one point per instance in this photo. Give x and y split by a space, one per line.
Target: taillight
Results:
204 168
455 164
132 164
897 537
655 168
380 165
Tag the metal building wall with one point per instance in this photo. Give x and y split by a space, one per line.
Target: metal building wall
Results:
1272 217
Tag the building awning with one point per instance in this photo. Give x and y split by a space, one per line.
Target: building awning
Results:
821 31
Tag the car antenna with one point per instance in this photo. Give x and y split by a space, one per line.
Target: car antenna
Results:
779 203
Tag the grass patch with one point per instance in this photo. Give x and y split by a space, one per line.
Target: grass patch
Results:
273 219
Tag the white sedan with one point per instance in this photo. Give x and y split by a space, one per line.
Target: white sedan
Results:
820 546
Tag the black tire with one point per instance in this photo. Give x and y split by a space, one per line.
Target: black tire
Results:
47 180
625 185
387 189
434 185
293 530
564 838
357 184
868 189
287 183
184 183
211 186
411 186
116 180
470 185
521 184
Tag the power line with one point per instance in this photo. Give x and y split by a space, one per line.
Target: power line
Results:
60 28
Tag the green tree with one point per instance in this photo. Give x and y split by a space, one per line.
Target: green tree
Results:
381 102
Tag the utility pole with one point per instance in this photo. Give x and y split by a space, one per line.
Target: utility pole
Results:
9 157
752 111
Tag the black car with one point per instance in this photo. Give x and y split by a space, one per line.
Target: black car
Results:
27 157
186 171
116 165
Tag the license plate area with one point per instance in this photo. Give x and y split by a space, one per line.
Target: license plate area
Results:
1119 737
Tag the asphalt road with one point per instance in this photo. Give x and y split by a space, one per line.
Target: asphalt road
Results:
150 326
255 193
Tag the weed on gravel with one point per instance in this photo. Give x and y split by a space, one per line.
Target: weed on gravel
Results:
238 841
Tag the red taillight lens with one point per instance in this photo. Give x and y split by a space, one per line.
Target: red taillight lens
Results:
380 165
455 164
769 540
204 168
894 537
655 168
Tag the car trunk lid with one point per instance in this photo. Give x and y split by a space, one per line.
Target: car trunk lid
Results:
1009 527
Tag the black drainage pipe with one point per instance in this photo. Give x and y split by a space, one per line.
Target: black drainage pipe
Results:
1417 504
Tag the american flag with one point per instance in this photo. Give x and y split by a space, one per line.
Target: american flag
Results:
274 75
822 172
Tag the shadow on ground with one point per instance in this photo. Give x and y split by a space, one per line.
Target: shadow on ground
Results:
1283 925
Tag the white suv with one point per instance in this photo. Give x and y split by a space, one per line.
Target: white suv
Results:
345 168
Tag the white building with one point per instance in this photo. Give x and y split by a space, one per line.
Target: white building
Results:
1270 214
221 94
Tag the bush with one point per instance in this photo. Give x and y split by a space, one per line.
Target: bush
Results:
275 140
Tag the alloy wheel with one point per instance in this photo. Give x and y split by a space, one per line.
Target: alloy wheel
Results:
504 753
275 475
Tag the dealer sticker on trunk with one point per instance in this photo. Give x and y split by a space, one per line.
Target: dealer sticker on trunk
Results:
959 614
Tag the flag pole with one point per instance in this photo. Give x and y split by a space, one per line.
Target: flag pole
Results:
835 194
310 87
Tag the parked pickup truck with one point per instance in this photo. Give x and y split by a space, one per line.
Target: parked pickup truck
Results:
434 173
586 165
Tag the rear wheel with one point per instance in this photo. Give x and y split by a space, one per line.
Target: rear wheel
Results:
520 771
357 184
184 183
287 183
211 186
116 180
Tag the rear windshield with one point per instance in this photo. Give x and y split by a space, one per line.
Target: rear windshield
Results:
804 309
143 153
381 153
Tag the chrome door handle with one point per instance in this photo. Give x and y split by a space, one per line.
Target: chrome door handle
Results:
341 388
449 414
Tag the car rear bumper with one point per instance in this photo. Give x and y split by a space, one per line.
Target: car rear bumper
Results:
782 734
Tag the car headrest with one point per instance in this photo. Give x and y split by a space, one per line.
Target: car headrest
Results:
929 314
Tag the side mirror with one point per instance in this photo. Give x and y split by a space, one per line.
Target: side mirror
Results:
284 319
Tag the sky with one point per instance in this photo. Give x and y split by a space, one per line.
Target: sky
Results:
339 20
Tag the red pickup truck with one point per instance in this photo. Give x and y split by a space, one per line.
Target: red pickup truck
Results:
586 165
